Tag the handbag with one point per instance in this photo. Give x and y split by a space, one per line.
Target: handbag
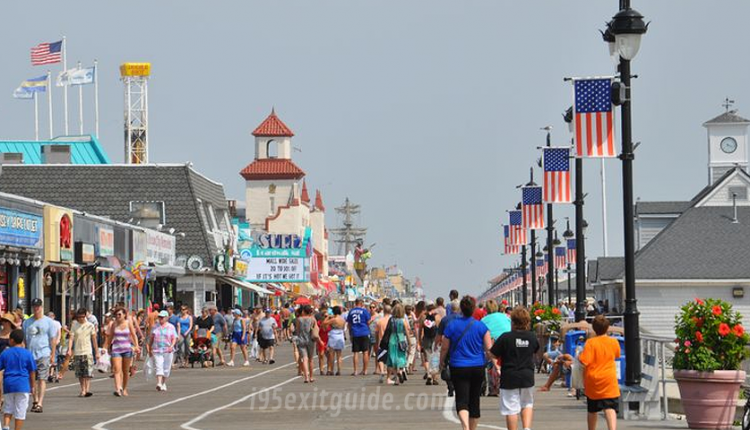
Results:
403 346
315 331
445 374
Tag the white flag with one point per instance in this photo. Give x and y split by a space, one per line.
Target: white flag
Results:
81 76
63 78
22 93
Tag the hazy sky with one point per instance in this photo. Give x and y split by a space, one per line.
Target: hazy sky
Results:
425 112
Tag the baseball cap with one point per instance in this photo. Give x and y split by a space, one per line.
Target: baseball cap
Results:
163 314
156 306
268 310
36 302
237 312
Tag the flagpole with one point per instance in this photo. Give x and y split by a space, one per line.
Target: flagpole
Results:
604 207
49 103
36 116
80 106
65 87
96 99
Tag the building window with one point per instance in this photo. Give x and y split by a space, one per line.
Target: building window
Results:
272 149
212 217
741 193
204 218
147 214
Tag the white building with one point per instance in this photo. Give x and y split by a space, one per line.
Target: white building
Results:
697 248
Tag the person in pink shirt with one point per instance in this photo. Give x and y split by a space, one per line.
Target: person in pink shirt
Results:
161 349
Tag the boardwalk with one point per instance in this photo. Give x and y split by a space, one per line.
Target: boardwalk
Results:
273 397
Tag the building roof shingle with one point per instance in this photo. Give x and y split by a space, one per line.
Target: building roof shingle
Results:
108 190
729 117
661 208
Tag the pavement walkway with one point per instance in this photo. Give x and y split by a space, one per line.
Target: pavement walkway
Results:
273 397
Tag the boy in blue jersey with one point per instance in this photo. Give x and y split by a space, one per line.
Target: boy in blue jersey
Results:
19 370
358 321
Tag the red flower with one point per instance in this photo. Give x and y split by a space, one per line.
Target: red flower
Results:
688 343
556 311
538 312
699 301
739 331
724 329
699 336
716 310
504 302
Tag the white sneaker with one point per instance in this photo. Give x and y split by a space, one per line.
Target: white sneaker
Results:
246 364
164 386
158 387
231 363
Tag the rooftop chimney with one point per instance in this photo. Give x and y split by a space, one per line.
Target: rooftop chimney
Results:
56 154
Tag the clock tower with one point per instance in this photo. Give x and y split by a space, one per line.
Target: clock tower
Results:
727 143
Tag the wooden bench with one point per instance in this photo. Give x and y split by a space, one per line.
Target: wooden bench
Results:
646 394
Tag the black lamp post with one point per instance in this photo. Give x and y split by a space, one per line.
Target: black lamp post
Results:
628 26
533 247
567 235
550 246
553 256
540 256
580 222
524 292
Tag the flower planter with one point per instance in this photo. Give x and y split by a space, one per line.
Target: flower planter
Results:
709 398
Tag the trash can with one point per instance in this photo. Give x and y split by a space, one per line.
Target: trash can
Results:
620 362
574 341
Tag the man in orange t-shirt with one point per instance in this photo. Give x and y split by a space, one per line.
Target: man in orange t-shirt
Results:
600 377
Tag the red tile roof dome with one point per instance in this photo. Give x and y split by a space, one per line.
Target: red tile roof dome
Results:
273 126
272 168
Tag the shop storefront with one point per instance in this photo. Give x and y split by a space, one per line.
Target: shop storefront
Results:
160 256
59 253
21 248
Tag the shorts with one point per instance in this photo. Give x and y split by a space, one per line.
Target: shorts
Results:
285 324
306 350
512 400
16 404
83 366
128 354
239 339
216 339
361 344
265 343
599 405
163 363
42 369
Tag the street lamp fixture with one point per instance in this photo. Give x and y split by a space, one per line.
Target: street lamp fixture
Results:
627 26
568 234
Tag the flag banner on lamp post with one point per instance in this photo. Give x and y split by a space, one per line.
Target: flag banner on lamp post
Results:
571 251
593 119
556 163
517 231
533 209
510 249
560 261
541 267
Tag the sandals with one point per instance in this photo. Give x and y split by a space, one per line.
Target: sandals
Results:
36 408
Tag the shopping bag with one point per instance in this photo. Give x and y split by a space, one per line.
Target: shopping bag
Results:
576 375
435 363
103 364
149 369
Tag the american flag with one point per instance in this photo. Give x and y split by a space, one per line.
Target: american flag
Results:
560 261
556 175
509 249
594 118
541 266
533 209
517 231
572 251
46 53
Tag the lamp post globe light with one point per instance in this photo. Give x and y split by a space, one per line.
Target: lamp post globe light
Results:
567 235
628 27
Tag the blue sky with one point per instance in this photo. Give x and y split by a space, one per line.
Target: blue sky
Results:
426 112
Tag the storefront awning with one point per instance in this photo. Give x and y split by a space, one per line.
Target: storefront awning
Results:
170 271
245 285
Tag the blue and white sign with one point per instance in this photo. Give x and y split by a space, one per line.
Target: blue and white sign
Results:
20 229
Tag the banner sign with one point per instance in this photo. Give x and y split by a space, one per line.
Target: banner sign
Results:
262 244
105 241
273 269
160 248
140 253
20 229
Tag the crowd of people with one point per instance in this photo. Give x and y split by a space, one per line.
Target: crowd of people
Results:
475 349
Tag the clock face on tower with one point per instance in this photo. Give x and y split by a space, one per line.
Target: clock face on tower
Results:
728 145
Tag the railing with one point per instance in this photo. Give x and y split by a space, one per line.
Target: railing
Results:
662 348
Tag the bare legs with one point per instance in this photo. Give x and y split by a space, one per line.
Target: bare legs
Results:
610 416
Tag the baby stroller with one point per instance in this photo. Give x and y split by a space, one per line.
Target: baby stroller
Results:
201 351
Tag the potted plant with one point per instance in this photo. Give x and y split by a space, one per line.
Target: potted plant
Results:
549 316
711 344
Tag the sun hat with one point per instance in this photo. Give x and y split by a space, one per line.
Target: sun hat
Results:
163 314
10 318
